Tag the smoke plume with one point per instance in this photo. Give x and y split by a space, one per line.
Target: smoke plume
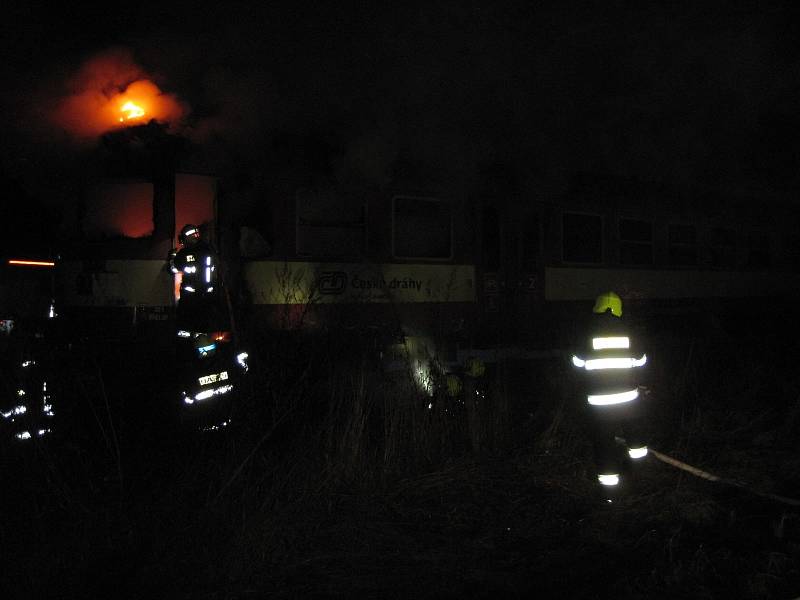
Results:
111 91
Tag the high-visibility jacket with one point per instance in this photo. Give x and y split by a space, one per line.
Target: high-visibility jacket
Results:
29 407
611 364
198 265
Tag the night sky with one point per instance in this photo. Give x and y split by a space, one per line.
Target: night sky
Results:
701 95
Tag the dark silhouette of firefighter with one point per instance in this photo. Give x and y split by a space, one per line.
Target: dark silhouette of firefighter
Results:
611 366
28 404
196 263
215 371
208 363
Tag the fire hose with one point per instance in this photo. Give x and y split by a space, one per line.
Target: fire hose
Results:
692 470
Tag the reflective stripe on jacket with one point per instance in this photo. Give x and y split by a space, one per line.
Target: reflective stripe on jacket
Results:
198 265
610 365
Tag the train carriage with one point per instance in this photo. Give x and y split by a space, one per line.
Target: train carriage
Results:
491 271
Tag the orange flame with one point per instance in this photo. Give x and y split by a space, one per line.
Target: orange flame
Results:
134 111
112 91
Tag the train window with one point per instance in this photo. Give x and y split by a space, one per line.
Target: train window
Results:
329 225
421 228
582 238
758 250
682 245
635 242
194 200
723 247
115 209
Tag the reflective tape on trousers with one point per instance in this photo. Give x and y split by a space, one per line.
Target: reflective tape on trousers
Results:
636 453
610 479
611 399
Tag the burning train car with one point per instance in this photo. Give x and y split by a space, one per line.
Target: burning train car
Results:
453 266
452 272
444 266
113 272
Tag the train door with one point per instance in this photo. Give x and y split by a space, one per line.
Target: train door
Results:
512 271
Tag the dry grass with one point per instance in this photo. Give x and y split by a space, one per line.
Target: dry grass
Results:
339 481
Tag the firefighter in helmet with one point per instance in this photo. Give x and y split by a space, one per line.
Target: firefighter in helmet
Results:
208 364
196 264
207 388
611 365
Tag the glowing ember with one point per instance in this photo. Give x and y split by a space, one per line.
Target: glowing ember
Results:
134 111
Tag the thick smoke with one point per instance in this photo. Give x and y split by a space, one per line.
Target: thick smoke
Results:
99 91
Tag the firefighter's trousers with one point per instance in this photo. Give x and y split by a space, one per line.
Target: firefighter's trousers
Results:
610 423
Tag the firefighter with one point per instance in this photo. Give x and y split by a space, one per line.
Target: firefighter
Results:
27 407
208 363
196 264
611 366
208 385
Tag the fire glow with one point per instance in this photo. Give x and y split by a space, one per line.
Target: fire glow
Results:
112 91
